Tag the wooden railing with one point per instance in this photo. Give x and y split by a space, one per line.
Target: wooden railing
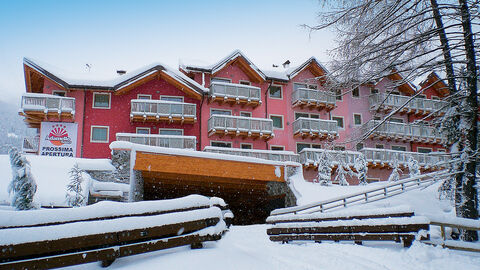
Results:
459 224
375 194
402 131
381 100
235 91
387 156
263 154
307 96
48 103
162 108
239 123
169 141
30 144
312 126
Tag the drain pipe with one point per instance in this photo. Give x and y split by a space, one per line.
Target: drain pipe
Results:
83 120
266 108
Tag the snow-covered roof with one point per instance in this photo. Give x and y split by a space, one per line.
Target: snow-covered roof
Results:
196 66
87 81
292 72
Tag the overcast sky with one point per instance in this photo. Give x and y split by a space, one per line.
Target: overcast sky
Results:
112 35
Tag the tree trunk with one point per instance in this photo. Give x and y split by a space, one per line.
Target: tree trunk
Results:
469 206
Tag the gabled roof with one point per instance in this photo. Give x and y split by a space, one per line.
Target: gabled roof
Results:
312 64
407 87
433 81
119 84
235 57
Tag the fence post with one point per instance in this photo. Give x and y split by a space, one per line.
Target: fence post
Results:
345 202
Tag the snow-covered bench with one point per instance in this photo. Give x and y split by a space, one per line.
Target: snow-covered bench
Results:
106 231
393 224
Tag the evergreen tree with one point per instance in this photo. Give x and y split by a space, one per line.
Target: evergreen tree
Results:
342 171
395 175
413 167
75 195
324 176
362 169
23 185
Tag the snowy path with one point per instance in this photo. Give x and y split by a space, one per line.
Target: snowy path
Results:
248 247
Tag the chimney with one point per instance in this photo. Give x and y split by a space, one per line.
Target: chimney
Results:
286 64
121 72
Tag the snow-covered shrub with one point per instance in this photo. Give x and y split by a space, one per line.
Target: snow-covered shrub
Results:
74 194
361 168
413 167
23 185
395 175
324 176
342 171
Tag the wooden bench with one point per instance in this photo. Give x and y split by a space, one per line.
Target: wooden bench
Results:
395 224
70 241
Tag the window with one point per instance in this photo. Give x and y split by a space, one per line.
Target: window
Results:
316 146
376 118
357 119
142 96
338 94
171 98
220 112
359 146
339 148
442 150
301 146
396 120
246 146
339 120
101 100
277 121
59 93
373 91
221 144
379 146
246 114
435 98
244 82
275 91
223 80
307 115
422 96
399 148
276 148
356 92
99 134
424 150
164 131
143 130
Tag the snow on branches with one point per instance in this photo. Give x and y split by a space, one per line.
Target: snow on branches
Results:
361 168
413 167
342 171
23 185
395 175
324 176
74 194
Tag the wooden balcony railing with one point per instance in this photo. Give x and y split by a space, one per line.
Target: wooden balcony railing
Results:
315 128
314 99
235 93
309 157
168 141
144 110
263 154
418 106
43 107
403 132
240 126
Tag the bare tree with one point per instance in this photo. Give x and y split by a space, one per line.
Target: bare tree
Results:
414 38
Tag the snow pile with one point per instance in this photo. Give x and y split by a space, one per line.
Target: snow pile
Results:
51 175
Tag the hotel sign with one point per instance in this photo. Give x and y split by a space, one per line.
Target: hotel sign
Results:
58 139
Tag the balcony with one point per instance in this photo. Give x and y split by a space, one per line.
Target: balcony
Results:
313 99
383 158
144 110
282 156
168 141
404 132
240 126
309 157
376 158
30 144
235 94
418 106
43 107
315 128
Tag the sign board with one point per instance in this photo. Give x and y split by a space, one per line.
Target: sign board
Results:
58 139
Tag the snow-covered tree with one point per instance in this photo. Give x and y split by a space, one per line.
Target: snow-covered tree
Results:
413 167
324 176
342 171
362 169
75 195
414 38
395 175
23 185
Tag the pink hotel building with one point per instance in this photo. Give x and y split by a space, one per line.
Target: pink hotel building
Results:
234 107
